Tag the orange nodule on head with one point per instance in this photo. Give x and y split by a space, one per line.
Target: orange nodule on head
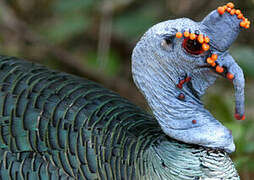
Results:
232 12
193 36
219 69
205 47
207 39
213 64
246 23
221 10
243 24
237 12
179 35
209 60
201 38
214 57
230 76
240 16
186 34
229 7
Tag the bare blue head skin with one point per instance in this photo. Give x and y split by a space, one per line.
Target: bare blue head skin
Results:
159 62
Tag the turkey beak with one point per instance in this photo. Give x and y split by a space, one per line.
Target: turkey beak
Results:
235 73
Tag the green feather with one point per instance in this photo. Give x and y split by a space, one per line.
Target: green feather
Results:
58 126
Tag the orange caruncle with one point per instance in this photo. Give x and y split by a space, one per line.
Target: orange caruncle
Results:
214 57
186 34
221 10
201 39
205 47
219 69
232 12
230 9
237 12
230 5
230 76
179 35
193 36
207 39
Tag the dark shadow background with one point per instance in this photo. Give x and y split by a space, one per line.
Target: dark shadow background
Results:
95 38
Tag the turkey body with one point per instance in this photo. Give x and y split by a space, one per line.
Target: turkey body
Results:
54 125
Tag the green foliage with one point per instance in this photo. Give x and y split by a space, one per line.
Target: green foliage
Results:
219 107
245 57
65 28
244 138
134 23
66 7
111 68
70 20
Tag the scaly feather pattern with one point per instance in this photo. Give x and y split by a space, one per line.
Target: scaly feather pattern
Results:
58 126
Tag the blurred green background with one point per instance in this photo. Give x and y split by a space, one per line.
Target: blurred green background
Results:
95 38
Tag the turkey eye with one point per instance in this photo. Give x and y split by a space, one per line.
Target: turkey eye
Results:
192 46
168 40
